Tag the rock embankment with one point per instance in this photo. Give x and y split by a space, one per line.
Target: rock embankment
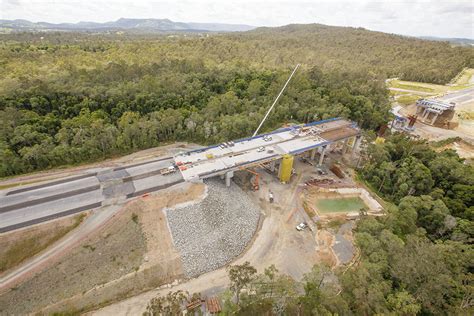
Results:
211 233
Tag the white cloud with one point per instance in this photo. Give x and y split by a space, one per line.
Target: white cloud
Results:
445 18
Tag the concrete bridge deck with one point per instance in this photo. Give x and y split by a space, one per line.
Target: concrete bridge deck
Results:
243 153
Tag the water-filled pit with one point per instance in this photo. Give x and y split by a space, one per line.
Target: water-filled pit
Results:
340 204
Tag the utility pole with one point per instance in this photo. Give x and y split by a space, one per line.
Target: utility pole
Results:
276 100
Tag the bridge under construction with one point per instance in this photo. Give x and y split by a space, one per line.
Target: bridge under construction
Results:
276 149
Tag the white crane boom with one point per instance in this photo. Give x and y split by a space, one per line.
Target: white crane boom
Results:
276 100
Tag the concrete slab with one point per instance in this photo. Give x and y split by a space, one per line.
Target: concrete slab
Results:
36 204
49 208
58 190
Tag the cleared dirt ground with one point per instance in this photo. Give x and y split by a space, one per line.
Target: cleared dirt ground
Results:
17 246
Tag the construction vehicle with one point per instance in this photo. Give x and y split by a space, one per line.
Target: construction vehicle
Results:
165 171
255 185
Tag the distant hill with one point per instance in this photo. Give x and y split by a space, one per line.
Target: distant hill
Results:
344 50
456 41
134 25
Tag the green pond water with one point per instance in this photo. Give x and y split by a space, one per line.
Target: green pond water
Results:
352 204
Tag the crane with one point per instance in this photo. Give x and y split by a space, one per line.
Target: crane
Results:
274 102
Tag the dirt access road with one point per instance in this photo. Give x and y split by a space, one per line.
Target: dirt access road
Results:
277 242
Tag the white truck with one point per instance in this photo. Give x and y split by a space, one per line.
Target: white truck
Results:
170 169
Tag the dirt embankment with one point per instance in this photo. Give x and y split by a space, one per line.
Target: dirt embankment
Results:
17 246
133 253
161 262
99 259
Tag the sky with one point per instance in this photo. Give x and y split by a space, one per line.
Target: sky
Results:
442 18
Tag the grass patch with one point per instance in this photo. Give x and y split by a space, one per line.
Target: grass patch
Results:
459 83
411 86
460 87
395 93
16 252
408 99
12 185
464 115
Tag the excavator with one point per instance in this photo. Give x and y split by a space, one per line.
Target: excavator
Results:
255 185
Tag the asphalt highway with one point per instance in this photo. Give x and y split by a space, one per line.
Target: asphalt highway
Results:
462 96
24 206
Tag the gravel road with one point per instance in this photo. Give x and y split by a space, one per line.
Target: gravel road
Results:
211 233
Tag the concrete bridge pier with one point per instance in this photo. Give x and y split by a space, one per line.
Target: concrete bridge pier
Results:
424 112
228 176
321 158
425 115
272 165
313 154
345 146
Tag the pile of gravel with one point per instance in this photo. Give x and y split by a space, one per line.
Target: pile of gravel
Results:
211 233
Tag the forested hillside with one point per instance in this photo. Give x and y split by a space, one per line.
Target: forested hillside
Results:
356 49
68 98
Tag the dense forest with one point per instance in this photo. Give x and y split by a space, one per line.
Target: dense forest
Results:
416 260
120 108
67 98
